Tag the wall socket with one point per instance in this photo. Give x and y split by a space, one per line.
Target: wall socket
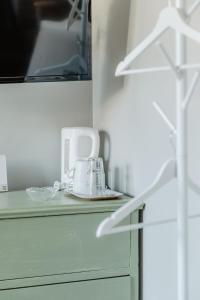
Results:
3 174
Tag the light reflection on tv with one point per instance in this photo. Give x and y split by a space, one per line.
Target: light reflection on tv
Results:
45 40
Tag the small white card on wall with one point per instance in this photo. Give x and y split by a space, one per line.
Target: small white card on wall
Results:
3 174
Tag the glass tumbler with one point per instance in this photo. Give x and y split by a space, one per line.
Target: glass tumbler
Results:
89 176
97 176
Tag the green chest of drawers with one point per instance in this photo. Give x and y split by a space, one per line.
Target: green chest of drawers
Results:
49 251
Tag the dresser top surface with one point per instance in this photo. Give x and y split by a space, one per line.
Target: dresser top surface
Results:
19 204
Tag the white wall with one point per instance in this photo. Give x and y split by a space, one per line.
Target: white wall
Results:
31 118
136 141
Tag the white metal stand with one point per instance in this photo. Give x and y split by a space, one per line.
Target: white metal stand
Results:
174 18
182 168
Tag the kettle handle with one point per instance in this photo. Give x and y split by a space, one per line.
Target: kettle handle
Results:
93 134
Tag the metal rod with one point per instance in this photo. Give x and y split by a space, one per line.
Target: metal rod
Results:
190 67
168 58
160 69
193 186
145 70
193 7
182 168
164 117
191 90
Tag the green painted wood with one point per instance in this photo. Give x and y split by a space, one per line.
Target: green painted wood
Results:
49 250
53 245
18 204
134 258
107 289
63 278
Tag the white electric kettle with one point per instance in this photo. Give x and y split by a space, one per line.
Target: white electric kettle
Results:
70 147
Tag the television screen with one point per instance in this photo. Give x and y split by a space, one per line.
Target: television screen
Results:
45 40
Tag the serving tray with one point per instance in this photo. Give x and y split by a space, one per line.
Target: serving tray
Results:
106 195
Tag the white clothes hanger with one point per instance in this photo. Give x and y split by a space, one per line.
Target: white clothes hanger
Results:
170 17
166 174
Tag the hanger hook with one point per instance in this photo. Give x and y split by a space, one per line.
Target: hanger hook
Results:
169 2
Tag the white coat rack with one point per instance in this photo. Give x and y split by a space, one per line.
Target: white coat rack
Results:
175 18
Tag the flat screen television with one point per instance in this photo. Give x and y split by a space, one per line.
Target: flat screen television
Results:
45 40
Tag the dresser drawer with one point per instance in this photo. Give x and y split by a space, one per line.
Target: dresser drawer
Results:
105 289
53 245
